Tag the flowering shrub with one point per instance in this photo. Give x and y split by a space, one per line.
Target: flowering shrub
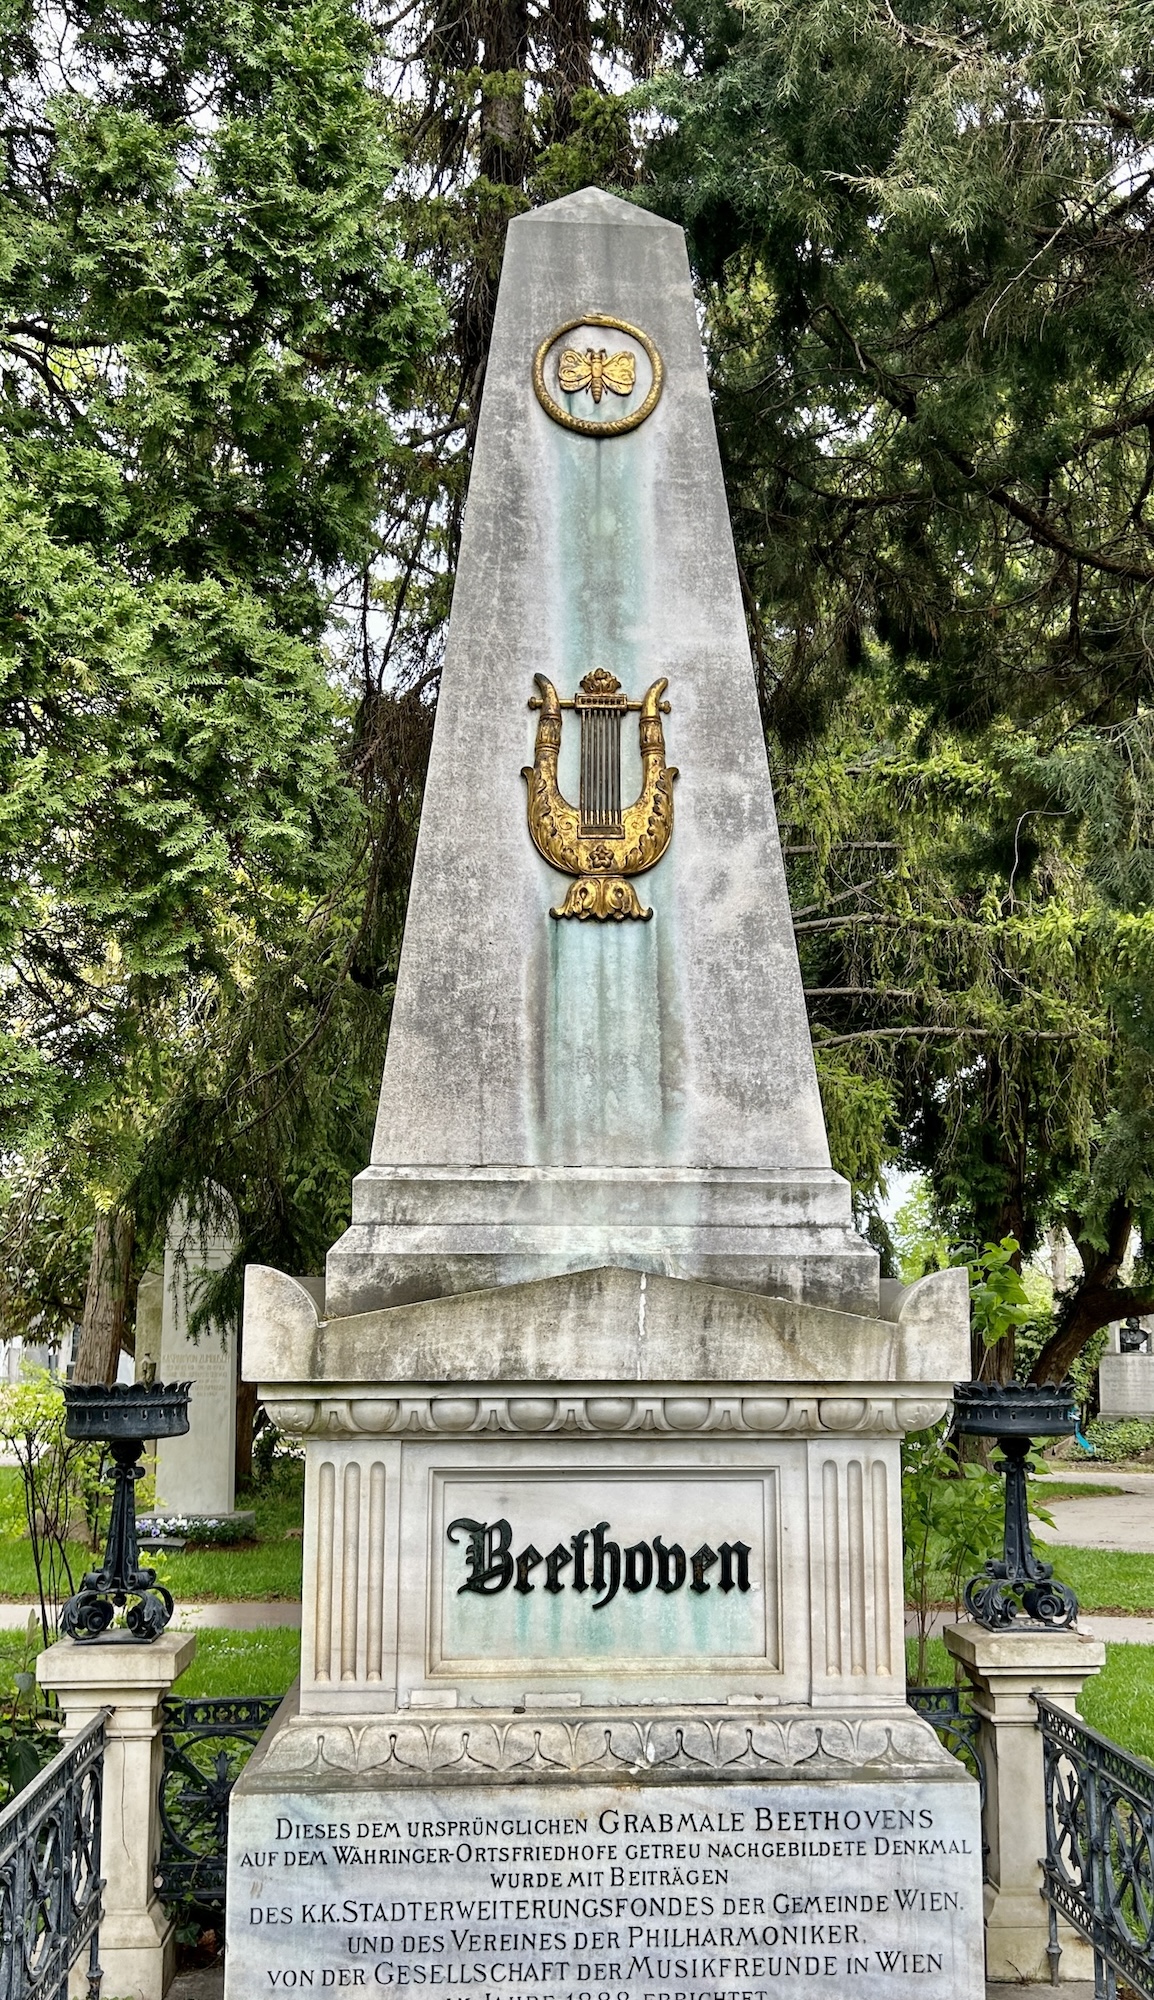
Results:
206 1530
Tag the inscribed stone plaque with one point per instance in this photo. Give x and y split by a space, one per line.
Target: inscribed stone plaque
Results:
543 1569
619 1891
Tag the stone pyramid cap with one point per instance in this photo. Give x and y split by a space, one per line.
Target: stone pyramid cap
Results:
591 206
638 1089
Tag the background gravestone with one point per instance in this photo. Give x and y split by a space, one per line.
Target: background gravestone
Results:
196 1474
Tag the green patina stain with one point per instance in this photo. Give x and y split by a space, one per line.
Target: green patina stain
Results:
606 1095
652 1625
603 1044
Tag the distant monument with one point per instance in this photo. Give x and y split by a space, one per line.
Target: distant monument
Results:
1126 1373
602 1684
195 1474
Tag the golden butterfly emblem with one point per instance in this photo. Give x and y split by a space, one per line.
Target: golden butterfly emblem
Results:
596 371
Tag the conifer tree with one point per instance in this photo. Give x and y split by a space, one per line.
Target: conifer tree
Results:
923 235
206 331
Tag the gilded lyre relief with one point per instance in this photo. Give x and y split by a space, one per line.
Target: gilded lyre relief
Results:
598 840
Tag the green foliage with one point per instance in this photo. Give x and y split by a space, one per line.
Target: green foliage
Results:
59 1486
277 1462
265 1661
922 1245
1106 1579
999 1301
198 1531
921 237
270 1572
207 330
952 1522
29 1731
1116 1702
1116 1443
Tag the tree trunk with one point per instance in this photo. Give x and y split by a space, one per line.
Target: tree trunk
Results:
1092 1305
106 1299
1096 1299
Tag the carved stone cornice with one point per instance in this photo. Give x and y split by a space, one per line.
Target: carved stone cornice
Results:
475 1748
360 1410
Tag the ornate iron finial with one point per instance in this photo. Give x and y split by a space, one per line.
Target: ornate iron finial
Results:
1019 1589
122 1416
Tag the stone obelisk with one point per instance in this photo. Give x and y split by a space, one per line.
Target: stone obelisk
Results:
602 1687
564 1092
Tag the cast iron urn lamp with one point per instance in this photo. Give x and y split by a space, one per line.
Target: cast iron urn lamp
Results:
122 1416
1019 1589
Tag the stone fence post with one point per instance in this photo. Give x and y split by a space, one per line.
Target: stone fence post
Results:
1006 1668
137 1948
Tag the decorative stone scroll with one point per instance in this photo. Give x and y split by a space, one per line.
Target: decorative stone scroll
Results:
673 1745
353 1413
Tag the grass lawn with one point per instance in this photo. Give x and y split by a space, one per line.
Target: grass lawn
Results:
1105 1579
1102 1579
266 1661
1119 1701
1045 1490
270 1569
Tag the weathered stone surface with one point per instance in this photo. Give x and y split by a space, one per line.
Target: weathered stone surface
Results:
1126 1387
129 1682
525 1745
593 1542
602 1410
610 1396
1007 1669
633 1878
559 1095
613 1324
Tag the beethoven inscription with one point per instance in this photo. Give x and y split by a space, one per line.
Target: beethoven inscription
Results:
548 1572
611 1892
594 1562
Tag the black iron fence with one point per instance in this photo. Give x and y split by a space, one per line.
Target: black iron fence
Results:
50 1874
1098 1871
1099 1867
948 1710
206 1745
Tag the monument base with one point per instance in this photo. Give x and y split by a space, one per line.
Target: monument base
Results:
676 1855
427 1233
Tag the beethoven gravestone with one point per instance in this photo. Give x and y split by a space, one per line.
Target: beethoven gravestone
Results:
602 1684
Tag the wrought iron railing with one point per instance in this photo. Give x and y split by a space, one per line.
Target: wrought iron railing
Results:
50 1873
1099 1868
948 1711
206 1745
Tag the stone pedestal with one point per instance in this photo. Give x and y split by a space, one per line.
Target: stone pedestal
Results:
602 1669
1126 1387
137 1950
1006 1668
669 1409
